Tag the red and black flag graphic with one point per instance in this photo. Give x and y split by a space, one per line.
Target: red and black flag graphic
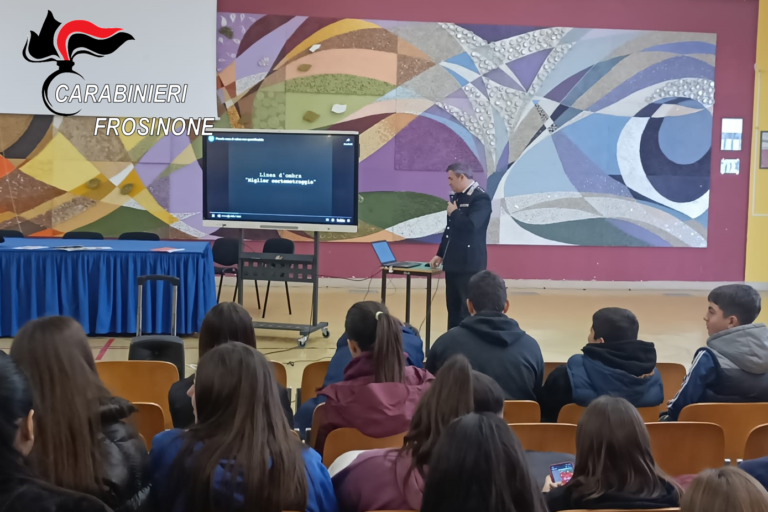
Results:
61 43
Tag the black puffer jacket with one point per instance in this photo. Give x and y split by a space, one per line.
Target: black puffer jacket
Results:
125 458
25 495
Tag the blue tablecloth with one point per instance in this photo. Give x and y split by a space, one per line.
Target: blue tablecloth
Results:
98 287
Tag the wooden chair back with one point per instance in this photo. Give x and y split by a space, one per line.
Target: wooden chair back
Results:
548 367
522 411
140 381
757 443
343 440
736 420
546 437
281 374
149 421
684 448
311 379
318 420
571 413
672 375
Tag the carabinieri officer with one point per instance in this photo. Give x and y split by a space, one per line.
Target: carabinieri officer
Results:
462 250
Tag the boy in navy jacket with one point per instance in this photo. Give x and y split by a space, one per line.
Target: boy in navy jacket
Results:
733 367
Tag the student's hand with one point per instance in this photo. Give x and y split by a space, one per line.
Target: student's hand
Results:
436 262
549 484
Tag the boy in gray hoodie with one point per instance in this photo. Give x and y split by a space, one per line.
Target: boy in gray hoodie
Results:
733 367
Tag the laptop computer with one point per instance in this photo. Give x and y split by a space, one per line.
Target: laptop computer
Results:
387 257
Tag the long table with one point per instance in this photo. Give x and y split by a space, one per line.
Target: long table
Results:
98 287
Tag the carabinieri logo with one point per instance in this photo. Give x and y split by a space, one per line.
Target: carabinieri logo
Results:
61 43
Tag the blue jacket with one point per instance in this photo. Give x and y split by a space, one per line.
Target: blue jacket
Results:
591 379
733 367
166 445
412 345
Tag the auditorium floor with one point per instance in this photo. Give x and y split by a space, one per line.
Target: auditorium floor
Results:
558 319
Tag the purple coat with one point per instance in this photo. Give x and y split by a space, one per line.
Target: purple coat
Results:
379 480
377 409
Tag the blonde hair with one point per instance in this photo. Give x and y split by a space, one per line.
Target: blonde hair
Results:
726 489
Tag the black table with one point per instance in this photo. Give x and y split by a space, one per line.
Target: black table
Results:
423 270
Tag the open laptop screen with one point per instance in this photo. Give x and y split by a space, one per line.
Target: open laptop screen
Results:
384 252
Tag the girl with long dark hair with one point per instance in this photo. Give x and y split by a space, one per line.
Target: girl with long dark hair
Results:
614 466
379 393
81 440
224 323
20 489
393 479
241 454
478 464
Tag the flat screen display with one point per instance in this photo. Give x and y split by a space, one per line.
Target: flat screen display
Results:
281 180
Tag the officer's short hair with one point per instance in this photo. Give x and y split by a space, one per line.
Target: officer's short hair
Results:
487 292
462 169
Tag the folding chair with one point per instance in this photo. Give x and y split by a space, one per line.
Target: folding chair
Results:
522 411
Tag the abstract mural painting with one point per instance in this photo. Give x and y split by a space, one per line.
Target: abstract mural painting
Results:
581 136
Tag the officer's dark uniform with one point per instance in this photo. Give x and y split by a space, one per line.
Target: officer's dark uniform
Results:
463 249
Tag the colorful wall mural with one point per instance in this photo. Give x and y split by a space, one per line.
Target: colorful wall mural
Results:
582 136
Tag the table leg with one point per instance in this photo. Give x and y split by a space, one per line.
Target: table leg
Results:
429 309
408 298
384 274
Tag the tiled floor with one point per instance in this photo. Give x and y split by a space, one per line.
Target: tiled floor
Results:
558 319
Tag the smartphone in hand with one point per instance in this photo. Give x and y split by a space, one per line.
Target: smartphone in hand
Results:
561 473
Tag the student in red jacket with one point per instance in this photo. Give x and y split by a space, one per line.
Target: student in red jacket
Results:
379 393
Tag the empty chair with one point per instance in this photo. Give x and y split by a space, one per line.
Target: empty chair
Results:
281 374
757 443
149 421
571 413
343 440
10 233
311 380
672 375
684 448
521 411
545 437
277 246
140 381
736 420
83 235
226 255
140 235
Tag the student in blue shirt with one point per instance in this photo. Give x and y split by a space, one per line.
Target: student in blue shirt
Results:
412 345
241 454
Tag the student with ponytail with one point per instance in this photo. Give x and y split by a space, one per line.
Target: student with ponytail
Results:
379 392
393 479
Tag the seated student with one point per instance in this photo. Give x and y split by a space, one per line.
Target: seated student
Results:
757 469
726 489
225 322
733 367
20 489
82 442
494 343
614 466
241 453
614 363
412 344
393 479
478 465
379 392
